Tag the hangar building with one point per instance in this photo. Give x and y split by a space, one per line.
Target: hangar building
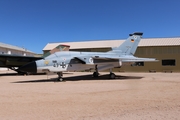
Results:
166 50
14 50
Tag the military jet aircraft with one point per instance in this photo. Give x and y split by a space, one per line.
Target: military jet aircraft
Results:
60 62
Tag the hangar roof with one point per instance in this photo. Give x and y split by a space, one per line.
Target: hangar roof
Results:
114 43
3 45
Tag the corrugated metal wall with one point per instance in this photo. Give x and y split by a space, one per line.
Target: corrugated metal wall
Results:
160 53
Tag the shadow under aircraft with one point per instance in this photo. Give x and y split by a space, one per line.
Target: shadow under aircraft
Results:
88 77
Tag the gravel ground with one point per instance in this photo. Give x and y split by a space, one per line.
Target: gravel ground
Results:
131 96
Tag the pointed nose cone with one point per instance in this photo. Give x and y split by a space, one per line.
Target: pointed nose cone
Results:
30 67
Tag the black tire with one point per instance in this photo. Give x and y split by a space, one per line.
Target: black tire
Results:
95 74
112 76
60 79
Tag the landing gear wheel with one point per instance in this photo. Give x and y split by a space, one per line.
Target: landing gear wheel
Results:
60 74
112 76
60 79
95 74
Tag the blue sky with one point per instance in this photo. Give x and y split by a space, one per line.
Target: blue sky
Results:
34 23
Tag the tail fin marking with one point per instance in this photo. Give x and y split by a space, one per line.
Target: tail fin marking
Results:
130 45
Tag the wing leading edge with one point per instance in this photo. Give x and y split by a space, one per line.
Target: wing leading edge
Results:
94 59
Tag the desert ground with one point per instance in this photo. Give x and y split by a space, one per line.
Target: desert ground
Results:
131 96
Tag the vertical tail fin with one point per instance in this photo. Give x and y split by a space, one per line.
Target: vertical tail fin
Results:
129 46
57 49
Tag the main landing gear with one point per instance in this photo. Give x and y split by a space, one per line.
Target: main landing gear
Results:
96 73
60 74
112 75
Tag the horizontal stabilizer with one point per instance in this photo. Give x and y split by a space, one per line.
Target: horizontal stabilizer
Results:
140 60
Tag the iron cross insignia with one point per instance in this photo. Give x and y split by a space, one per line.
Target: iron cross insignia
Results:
63 65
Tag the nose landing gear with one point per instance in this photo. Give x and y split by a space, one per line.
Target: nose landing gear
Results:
60 74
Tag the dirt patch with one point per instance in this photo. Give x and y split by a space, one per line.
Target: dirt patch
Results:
81 97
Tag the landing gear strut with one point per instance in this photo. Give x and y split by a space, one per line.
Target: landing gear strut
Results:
60 74
96 73
112 75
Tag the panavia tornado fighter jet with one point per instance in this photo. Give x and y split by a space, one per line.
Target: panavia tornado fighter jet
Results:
60 62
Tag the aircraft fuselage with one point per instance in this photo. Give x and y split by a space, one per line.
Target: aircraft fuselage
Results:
68 61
